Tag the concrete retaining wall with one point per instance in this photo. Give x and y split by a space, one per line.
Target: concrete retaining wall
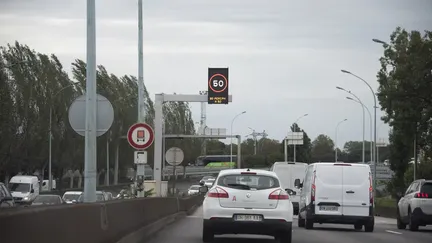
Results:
88 223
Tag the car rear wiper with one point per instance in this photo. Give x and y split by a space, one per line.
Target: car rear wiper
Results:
243 186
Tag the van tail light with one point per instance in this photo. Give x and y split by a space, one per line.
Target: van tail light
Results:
218 193
371 199
421 195
278 195
313 189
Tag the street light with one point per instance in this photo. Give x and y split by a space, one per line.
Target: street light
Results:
349 92
380 42
375 132
50 135
231 148
298 119
337 127
370 124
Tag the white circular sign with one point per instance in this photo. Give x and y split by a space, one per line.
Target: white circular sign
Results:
174 156
140 136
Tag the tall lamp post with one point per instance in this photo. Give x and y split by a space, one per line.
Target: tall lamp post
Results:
298 119
370 125
336 135
50 136
375 132
231 147
363 125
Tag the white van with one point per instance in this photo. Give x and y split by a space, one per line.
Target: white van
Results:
337 193
291 175
24 189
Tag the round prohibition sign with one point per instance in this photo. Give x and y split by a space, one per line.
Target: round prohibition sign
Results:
218 83
140 136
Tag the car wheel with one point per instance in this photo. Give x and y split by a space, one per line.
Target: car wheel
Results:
358 227
400 224
369 226
412 225
301 222
284 237
308 223
207 234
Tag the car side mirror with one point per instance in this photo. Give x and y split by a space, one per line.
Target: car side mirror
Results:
297 183
32 191
203 189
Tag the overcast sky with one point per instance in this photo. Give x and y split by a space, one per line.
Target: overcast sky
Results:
284 57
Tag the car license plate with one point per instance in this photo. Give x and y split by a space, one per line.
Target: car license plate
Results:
328 208
248 218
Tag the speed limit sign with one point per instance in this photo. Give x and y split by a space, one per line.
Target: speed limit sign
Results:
218 86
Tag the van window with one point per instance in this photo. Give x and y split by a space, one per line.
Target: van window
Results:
19 187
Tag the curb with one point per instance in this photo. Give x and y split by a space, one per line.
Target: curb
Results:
147 231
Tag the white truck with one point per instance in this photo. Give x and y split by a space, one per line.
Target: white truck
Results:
24 188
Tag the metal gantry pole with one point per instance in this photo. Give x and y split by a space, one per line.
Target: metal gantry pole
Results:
231 140
90 159
50 154
295 130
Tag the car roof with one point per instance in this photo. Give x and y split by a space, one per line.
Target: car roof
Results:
238 171
340 163
289 163
48 195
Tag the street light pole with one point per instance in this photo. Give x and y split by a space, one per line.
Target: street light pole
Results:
336 149
363 124
375 130
298 119
231 147
370 126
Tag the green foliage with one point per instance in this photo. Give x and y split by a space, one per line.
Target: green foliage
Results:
405 94
323 149
31 83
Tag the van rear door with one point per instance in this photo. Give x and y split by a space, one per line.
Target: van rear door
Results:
356 190
328 189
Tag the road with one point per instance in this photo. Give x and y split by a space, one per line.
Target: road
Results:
189 229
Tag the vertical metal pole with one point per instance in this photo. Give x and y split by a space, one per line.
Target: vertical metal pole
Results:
163 148
374 147
363 150
336 146
116 163
294 153
49 156
107 162
90 169
158 143
415 154
239 152
285 150
231 145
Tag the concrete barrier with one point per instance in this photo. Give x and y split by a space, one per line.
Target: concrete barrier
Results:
89 223
387 212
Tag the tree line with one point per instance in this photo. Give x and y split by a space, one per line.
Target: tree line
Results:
33 83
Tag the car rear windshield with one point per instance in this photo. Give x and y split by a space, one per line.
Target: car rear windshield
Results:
247 182
427 188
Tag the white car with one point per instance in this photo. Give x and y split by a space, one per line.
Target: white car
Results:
415 207
245 201
71 196
193 190
337 193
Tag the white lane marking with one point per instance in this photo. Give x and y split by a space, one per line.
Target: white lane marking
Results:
393 232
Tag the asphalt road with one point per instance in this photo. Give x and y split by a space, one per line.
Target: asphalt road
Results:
189 230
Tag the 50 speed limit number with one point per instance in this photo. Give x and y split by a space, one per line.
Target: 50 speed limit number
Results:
218 83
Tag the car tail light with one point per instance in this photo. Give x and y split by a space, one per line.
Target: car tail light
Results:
313 189
278 195
371 199
217 192
421 195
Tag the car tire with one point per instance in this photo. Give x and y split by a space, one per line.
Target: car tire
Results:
369 226
207 234
412 225
308 224
399 222
300 221
284 237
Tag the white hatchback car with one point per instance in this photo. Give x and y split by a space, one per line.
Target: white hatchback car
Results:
244 201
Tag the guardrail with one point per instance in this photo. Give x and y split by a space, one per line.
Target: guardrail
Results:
118 220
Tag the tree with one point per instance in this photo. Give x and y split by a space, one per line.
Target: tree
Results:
323 149
405 95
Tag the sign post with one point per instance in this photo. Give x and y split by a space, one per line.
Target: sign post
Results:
217 86
174 156
294 138
140 136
